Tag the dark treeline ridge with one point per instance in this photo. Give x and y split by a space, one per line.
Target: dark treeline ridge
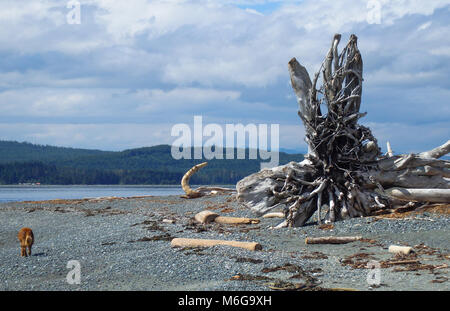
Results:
28 163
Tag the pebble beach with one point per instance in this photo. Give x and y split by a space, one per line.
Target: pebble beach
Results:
124 244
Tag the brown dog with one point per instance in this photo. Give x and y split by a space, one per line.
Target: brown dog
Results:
26 239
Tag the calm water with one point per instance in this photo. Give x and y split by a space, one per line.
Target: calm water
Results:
38 193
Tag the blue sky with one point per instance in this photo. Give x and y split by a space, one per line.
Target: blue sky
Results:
132 69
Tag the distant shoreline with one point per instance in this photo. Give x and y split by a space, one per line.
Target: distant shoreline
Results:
21 193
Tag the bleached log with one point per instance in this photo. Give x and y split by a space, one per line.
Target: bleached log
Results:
406 179
235 220
332 240
437 152
168 221
430 171
206 216
420 195
274 215
396 249
398 163
183 242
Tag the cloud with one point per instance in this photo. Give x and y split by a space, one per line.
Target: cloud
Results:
107 136
410 138
162 62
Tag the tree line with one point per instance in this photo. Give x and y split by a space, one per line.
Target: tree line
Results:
28 163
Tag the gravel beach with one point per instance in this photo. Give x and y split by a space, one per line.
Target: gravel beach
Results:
124 244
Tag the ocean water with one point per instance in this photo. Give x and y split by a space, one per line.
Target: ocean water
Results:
41 192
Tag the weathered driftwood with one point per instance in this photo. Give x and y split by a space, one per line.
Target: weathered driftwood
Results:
200 191
169 221
420 195
206 216
332 240
185 181
344 173
183 242
274 215
389 152
235 220
396 249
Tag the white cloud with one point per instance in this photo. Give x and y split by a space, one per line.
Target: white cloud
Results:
181 99
252 11
107 136
406 138
424 26
164 61
110 102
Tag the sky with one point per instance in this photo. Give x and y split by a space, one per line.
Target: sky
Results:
131 70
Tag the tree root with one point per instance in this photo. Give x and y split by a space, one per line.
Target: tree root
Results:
344 171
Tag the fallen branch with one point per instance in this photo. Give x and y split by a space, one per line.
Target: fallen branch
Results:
182 242
235 220
332 240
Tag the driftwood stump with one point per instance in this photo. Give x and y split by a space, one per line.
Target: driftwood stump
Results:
344 173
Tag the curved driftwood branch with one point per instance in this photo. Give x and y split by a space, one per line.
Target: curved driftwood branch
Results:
185 181
200 191
344 172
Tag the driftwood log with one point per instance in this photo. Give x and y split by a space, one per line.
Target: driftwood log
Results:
398 249
206 217
236 220
344 173
274 215
184 242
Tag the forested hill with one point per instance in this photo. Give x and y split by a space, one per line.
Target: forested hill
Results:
27 163
13 151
